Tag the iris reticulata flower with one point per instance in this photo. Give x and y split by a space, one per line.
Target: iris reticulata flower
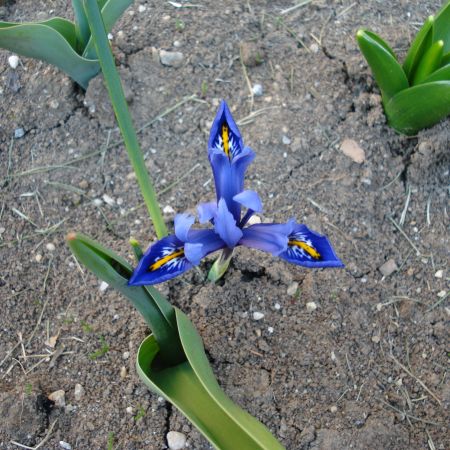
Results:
229 158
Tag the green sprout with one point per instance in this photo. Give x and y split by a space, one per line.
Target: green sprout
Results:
415 95
86 327
101 351
179 25
67 45
28 389
140 414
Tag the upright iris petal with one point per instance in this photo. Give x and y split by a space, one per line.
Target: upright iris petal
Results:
229 158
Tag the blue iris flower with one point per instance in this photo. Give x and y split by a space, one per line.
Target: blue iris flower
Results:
229 158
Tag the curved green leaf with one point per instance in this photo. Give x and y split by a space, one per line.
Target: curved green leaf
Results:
442 74
81 25
111 12
44 42
380 41
429 62
442 26
154 308
386 70
193 389
419 107
445 59
421 43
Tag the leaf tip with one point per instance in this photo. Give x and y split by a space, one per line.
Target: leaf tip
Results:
71 236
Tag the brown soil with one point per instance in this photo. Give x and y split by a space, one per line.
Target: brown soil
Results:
366 370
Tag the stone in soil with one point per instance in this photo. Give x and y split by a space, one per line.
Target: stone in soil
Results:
353 150
388 268
171 59
176 440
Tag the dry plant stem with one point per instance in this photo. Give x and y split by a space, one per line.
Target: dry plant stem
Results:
122 113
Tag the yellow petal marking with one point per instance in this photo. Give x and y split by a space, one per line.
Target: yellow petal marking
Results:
308 248
164 260
225 140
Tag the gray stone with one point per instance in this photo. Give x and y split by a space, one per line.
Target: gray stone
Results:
388 268
176 440
171 59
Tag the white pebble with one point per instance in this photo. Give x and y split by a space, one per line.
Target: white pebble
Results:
110 36
19 133
277 306
13 61
442 294
311 306
97 202
439 274
50 247
108 200
176 440
103 286
292 289
286 140
59 398
257 315
168 210
123 372
141 8
125 355
257 90
65 445
38 258
333 409
254 220
270 330
129 410
78 392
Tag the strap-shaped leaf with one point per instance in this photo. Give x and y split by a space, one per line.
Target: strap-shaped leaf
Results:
421 43
111 12
193 389
442 26
154 308
419 107
445 59
81 25
429 62
386 70
44 42
380 41
442 74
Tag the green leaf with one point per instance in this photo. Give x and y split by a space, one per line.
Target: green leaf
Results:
380 41
419 107
81 25
421 43
386 70
442 74
442 27
429 62
47 43
445 59
193 389
111 10
154 308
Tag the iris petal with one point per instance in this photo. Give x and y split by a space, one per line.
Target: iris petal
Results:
225 225
202 243
249 199
271 238
162 261
183 223
310 249
206 211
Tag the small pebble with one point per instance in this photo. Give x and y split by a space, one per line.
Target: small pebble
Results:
439 274
65 445
123 372
125 355
333 409
141 8
285 140
176 440
110 36
277 306
311 306
168 210
78 392
38 258
103 286
257 90
270 330
177 44
254 220
353 150
388 268
129 410
13 61
171 59
59 398
19 133
97 202
50 247
314 47
376 339
292 289
108 200
257 315
442 294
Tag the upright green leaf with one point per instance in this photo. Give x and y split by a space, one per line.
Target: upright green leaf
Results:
154 308
442 74
421 43
193 389
111 12
44 42
445 59
442 26
429 62
81 25
419 107
386 70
